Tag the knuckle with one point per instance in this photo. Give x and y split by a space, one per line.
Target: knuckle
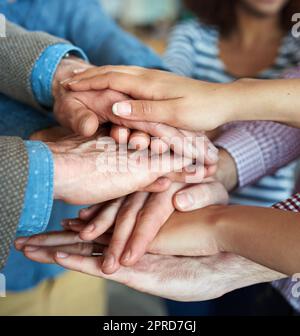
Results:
39 239
146 108
117 241
83 248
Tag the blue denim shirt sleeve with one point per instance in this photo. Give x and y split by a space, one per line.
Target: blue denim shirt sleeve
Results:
105 42
45 68
38 198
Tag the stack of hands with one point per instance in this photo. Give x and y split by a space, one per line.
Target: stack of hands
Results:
143 221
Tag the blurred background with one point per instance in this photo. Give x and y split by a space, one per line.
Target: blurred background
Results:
149 20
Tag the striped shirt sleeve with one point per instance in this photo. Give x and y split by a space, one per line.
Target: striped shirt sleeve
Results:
180 54
259 148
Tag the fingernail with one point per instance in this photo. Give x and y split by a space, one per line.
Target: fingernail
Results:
83 211
89 228
73 222
127 256
122 109
213 152
65 222
162 181
20 242
62 255
79 71
65 80
109 261
31 248
184 200
73 82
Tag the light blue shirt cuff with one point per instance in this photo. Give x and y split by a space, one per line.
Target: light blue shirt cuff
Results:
38 198
44 70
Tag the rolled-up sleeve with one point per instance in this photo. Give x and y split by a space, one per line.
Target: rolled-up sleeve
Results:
38 198
44 70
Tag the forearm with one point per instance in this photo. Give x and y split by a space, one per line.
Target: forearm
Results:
65 70
276 100
237 272
267 236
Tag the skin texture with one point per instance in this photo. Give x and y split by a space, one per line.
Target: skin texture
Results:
173 99
83 175
233 229
166 97
137 220
84 112
176 278
138 217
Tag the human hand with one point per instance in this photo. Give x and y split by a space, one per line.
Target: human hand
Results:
84 112
161 96
184 234
92 170
51 134
134 222
176 278
215 189
137 219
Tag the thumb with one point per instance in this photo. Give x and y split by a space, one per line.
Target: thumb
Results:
79 119
200 196
165 112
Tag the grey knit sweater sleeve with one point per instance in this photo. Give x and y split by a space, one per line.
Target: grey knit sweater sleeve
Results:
13 178
19 51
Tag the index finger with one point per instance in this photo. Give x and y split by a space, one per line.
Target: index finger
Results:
130 84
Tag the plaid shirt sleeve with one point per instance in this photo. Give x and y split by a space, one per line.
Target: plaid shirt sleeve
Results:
291 204
286 286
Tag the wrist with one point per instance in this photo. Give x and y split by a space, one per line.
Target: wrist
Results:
228 101
227 171
222 228
59 167
258 98
65 70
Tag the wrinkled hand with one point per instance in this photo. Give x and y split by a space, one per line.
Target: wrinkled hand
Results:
92 170
84 112
175 278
